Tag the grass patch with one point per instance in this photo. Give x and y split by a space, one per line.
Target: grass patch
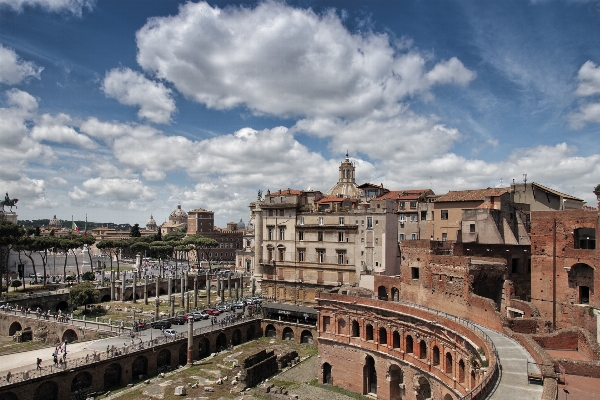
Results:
339 390
283 384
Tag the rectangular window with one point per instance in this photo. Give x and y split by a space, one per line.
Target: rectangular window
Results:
270 254
280 273
414 236
401 237
283 199
320 236
413 217
414 271
301 220
281 213
472 228
402 218
281 233
369 222
326 323
444 214
340 277
271 199
270 234
423 215
281 254
300 235
321 221
319 277
301 253
362 222
515 266
290 213
413 204
270 213
341 220
300 274
402 205
444 237
340 236
320 256
341 257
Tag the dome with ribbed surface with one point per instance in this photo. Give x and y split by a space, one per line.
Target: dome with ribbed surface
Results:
178 215
54 223
151 224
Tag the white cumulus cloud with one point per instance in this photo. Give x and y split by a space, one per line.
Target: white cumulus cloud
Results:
74 7
13 69
134 89
55 129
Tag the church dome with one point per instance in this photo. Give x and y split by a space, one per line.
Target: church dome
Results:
241 224
178 215
151 224
54 223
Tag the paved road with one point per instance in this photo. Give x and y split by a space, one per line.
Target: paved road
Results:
513 384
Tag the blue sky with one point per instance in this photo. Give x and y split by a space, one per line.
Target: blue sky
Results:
121 109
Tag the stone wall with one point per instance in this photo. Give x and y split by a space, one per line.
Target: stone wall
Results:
258 367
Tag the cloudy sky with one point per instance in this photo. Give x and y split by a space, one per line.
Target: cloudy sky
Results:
122 109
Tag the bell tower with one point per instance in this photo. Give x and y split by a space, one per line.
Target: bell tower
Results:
346 171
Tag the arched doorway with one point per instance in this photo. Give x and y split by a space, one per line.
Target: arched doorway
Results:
81 385
270 331
448 397
370 376
139 368
327 380
583 277
63 306
163 360
14 328
288 333
236 338
250 332
221 342
382 293
69 336
396 380
112 376
395 294
183 354
203 348
46 391
423 388
306 337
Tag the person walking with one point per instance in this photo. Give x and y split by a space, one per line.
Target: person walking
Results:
38 364
8 376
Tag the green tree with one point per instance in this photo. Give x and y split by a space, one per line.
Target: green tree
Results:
135 231
88 276
82 294
202 245
10 234
15 284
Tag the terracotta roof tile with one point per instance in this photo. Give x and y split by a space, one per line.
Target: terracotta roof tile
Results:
412 194
472 195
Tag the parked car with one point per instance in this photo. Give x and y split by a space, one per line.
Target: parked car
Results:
170 332
163 324
179 320
240 304
202 314
222 308
212 311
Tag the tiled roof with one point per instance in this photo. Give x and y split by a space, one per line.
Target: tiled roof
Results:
331 199
412 194
556 192
472 195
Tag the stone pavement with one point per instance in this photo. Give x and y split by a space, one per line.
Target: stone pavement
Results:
513 382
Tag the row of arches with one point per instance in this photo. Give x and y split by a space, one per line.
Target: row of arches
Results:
287 333
69 335
431 352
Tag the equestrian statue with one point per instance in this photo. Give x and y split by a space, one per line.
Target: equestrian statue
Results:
8 202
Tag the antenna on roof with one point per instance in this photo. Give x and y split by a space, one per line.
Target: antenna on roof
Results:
501 182
525 178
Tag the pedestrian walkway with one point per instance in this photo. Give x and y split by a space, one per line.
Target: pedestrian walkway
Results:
513 383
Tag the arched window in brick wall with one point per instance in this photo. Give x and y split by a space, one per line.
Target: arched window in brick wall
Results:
436 355
422 350
369 332
448 366
396 340
355 329
409 344
341 326
382 336
461 371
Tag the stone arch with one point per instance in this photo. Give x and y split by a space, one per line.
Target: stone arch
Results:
250 333
396 378
306 337
369 332
14 328
382 337
105 298
355 328
69 336
461 371
139 368
204 348
81 385
395 294
422 350
183 354
112 376
8 396
46 391
270 331
341 326
448 366
63 306
409 344
583 278
422 388
288 333
163 360
221 342
327 379
436 355
236 337
447 397
369 376
382 293
395 339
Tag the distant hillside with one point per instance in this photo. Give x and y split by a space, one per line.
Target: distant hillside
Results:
80 224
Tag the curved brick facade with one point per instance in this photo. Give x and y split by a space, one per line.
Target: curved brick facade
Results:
397 351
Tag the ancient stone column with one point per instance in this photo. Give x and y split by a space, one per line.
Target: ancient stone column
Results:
134 287
182 291
170 288
146 289
102 278
123 288
196 292
112 286
222 290
187 302
237 291
229 286
172 302
207 289
253 286
190 348
157 286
